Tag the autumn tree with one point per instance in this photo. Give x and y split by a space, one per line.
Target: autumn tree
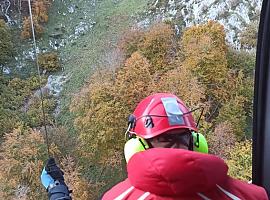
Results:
241 60
221 139
23 152
80 187
40 16
240 160
40 10
197 71
238 92
205 51
27 28
181 82
13 94
100 123
102 114
158 46
130 40
134 81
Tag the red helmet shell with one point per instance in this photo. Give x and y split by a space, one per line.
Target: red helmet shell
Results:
153 106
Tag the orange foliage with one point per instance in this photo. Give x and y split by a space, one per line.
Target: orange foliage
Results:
130 41
102 118
40 16
134 81
27 30
240 160
205 51
40 10
80 188
157 46
155 64
22 156
181 82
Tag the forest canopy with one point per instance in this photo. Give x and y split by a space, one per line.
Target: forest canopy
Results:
198 68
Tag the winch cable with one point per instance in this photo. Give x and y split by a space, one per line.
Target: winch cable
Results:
40 80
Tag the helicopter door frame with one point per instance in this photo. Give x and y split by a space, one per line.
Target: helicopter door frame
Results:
261 107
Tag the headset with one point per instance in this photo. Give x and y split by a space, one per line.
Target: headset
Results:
136 144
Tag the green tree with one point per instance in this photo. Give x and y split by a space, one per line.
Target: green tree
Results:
6 45
237 105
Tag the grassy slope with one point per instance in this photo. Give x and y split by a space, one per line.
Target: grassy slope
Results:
82 57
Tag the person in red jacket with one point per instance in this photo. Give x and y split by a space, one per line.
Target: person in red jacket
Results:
162 161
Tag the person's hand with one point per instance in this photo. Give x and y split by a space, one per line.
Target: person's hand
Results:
51 173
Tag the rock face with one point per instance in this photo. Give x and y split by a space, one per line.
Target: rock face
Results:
235 15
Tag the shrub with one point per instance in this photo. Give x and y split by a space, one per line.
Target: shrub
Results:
14 101
241 60
49 61
80 187
8 120
40 10
157 45
237 104
181 82
40 15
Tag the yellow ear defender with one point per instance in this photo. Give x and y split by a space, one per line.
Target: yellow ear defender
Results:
199 143
136 144
133 145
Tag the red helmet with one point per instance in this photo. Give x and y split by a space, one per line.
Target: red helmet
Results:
159 113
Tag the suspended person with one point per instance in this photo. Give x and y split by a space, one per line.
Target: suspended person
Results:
167 158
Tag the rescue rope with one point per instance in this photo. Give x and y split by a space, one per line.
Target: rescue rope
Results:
40 81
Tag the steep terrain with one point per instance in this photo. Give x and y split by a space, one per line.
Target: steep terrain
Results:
235 15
